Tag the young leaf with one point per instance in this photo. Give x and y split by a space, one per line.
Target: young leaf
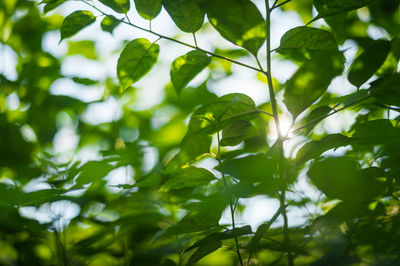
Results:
119 6
235 132
229 234
185 13
186 67
203 251
302 42
109 23
86 48
311 81
75 22
230 107
188 177
328 8
135 61
227 19
148 9
368 62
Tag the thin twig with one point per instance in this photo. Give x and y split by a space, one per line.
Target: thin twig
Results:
177 41
281 4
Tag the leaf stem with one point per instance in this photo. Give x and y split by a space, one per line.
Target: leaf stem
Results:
276 5
195 40
177 41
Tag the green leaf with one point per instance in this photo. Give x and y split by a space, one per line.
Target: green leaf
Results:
109 23
302 42
374 132
240 22
236 131
368 62
148 9
86 48
230 107
386 90
75 22
51 5
203 251
85 81
311 81
185 13
315 116
314 149
92 171
328 8
341 178
188 177
253 168
229 234
119 6
186 67
135 61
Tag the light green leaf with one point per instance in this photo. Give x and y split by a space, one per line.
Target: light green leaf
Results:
109 23
186 67
135 61
119 6
328 8
188 177
185 13
86 48
301 43
238 21
148 9
311 81
368 62
203 251
210 117
51 5
236 131
75 22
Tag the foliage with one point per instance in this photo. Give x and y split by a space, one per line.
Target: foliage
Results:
213 153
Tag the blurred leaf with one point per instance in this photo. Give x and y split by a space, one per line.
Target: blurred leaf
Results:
235 132
185 13
302 42
119 6
368 62
328 8
315 116
386 90
186 67
85 48
51 4
135 61
203 251
311 81
75 22
109 23
248 33
148 9
375 132
84 81
188 177
92 171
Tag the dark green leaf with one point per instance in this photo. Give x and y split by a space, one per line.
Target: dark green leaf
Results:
229 234
135 61
92 171
51 4
311 81
368 62
203 251
386 90
186 67
230 107
75 22
315 116
376 132
235 132
227 19
148 9
185 13
84 81
328 8
302 42
119 6
188 177
109 23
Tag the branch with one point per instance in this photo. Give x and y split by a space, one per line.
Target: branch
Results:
276 5
177 41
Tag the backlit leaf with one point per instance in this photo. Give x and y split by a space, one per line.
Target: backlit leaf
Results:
235 132
186 67
368 62
75 22
328 8
386 90
109 23
185 13
227 19
135 61
119 6
188 177
148 9
86 48
203 251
